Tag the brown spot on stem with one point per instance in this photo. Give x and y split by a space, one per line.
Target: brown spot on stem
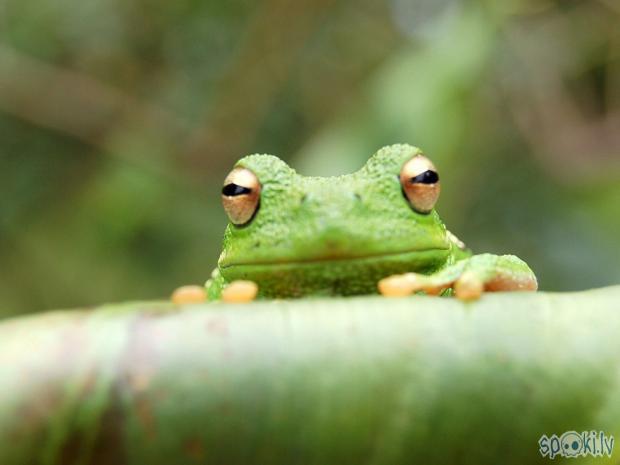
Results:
218 326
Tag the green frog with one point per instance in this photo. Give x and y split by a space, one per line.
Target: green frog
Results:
373 231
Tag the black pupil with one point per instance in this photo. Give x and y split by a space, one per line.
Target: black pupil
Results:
428 177
231 190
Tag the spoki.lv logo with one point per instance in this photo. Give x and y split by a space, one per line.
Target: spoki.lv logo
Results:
574 444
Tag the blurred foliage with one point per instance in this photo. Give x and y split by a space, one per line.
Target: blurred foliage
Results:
119 120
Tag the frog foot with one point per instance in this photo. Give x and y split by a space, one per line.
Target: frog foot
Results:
469 278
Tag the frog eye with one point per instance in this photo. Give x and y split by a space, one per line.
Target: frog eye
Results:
420 182
241 195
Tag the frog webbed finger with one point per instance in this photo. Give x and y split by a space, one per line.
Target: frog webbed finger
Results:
469 286
189 294
401 285
240 291
409 283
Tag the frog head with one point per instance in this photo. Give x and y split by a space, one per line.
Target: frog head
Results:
295 235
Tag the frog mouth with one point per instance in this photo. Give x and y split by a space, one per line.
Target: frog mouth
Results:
336 275
421 255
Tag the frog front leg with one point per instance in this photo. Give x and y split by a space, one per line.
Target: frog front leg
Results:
215 285
469 278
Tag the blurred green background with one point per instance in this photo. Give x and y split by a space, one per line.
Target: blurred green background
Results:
120 119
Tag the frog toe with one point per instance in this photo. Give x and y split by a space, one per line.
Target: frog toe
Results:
469 286
400 285
240 291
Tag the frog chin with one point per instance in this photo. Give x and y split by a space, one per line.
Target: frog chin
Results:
336 274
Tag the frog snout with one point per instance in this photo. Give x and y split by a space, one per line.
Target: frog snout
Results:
330 217
312 198
335 240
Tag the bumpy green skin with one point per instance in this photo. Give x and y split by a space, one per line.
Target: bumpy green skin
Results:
341 235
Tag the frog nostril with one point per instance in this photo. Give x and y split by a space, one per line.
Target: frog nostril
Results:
304 198
357 197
